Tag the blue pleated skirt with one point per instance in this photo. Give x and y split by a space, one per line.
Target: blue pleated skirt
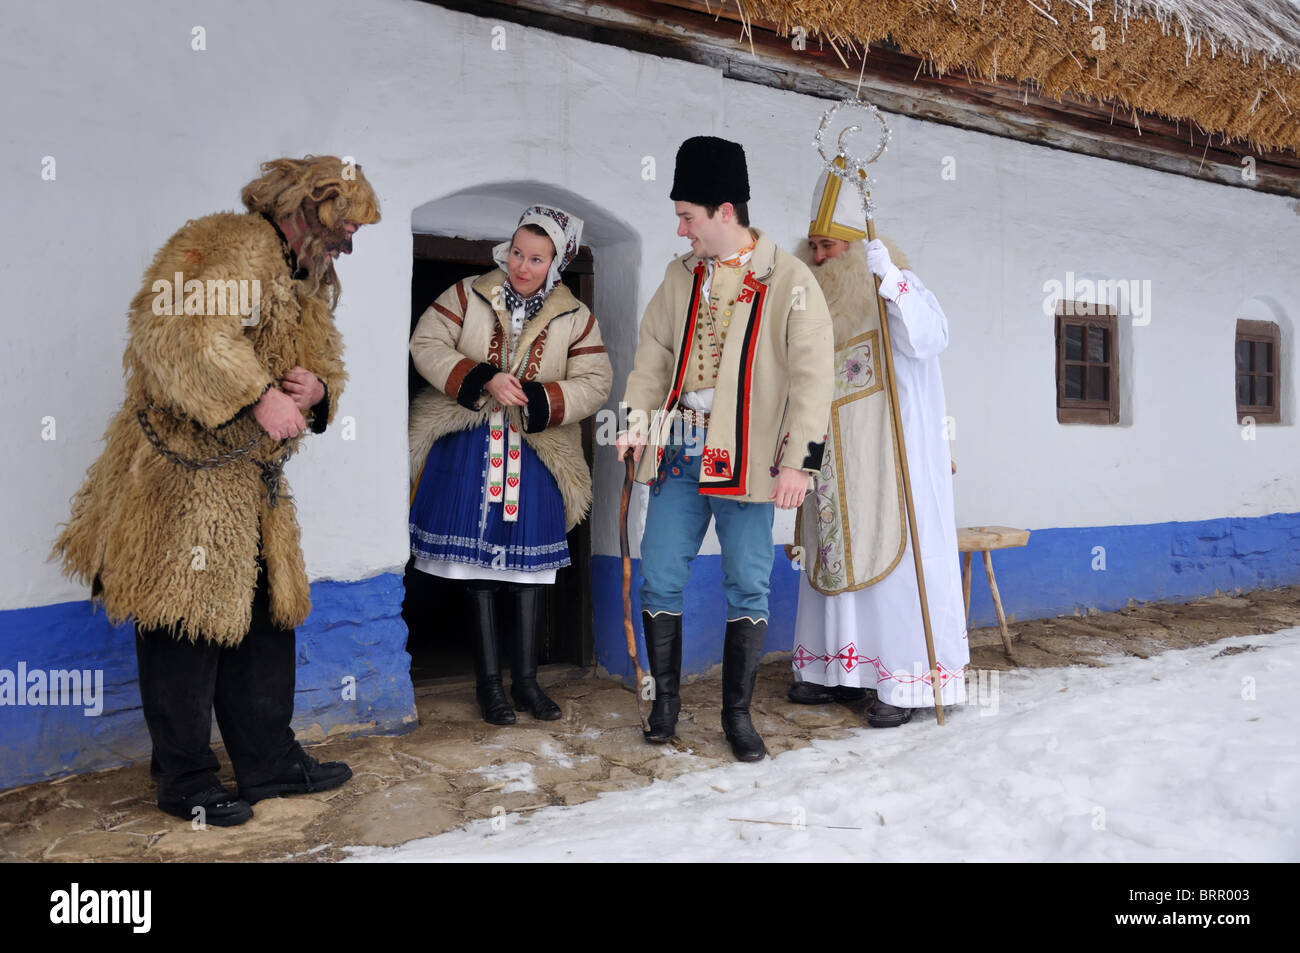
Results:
452 520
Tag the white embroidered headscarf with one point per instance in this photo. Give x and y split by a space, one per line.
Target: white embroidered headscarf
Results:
565 232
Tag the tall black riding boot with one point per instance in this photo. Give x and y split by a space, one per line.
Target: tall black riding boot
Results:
663 646
740 654
487 663
524 690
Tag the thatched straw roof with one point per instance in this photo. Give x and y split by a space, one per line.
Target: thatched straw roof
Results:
1231 66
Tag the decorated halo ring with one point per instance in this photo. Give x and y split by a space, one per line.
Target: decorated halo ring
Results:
845 164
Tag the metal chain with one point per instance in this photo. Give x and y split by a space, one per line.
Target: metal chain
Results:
271 473
272 470
211 463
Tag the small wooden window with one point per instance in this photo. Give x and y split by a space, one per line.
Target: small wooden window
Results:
1258 371
1087 364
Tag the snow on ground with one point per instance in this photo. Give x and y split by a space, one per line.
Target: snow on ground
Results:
1191 755
516 776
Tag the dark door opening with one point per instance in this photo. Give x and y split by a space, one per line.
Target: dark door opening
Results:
434 608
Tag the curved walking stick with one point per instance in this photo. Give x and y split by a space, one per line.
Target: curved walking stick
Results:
626 551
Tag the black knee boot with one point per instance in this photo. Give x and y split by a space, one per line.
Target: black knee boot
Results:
524 690
663 645
740 654
487 663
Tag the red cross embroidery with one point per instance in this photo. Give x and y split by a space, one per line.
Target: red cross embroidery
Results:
848 657
902 287
802 657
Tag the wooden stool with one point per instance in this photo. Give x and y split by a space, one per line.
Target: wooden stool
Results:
984 539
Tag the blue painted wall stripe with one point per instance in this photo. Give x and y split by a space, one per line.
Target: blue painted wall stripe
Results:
355 630
1053 575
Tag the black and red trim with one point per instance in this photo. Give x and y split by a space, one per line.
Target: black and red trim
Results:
684 346
738 484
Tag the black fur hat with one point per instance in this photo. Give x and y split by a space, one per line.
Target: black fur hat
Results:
710 171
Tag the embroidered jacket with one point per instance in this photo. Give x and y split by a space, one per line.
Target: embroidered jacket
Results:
462 341
772 399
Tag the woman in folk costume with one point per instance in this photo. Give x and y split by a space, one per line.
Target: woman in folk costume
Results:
516 363
858 624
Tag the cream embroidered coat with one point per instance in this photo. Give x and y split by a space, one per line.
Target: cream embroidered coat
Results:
460 342
771 403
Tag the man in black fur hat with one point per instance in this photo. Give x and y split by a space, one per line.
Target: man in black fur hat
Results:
735 422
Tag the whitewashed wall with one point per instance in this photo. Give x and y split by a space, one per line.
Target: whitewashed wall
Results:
147 132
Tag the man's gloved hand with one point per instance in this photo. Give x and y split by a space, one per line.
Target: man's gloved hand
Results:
892 283
878 258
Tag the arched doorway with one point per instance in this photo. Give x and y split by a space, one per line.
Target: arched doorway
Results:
452 237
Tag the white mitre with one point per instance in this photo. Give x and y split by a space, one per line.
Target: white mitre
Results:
837 208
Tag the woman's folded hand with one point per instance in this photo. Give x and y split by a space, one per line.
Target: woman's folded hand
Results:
507 390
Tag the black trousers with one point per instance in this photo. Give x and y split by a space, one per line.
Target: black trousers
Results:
250 686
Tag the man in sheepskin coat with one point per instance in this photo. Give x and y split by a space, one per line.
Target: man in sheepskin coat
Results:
185 523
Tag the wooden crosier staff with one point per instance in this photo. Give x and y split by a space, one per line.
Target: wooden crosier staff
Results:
852 170
626 550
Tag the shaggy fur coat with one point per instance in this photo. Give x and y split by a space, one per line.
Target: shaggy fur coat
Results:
459 343
175 547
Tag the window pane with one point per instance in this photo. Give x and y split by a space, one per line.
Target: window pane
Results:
1099 383
1243 389
1264 391
1097 341
1243 355
1073 342
1073 382
1263 356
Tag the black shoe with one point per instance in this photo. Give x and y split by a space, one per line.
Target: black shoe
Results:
880 715
491 696
809 693
740 654
487 664
848 696
663 646
214 805
529 697
524 690
305 776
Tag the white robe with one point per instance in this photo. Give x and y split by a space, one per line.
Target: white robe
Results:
874 638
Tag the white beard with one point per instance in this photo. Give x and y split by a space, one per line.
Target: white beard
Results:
849 289
848 286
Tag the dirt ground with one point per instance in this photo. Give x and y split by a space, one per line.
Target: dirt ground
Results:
455 768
